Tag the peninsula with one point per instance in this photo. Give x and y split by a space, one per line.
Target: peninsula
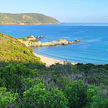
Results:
26 19
31 41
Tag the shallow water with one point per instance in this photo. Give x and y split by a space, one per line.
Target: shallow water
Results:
92 49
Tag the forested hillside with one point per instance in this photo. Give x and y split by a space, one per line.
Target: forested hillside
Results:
26 19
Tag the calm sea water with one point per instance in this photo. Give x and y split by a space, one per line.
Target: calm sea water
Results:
92 49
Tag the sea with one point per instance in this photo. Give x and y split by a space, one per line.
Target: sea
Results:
93 47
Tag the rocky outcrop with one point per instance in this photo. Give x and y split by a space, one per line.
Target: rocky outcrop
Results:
40 37
31 37
48 44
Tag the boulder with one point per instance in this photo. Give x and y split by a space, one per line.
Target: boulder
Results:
31 37
77 40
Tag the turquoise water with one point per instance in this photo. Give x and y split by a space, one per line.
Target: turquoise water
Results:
92 49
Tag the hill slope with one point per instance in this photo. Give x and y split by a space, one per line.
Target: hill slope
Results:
12 50
26 19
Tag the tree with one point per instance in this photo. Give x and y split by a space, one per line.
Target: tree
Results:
55 99
76 94
39 97
98 102
7 98
11 76
28 82
34 96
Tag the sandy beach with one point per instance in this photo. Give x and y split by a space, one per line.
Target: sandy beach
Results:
49 61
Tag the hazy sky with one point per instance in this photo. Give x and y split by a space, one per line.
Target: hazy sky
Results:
63 10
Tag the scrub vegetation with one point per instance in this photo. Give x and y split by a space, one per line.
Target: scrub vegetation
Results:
25 82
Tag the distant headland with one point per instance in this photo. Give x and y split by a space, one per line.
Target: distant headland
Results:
26 19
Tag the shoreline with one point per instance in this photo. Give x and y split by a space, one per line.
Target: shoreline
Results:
50 61
34 24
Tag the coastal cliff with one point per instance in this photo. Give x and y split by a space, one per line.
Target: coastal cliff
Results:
32 42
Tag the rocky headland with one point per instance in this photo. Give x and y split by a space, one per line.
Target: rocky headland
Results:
31 41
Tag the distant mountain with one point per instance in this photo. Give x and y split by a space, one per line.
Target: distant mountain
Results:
26 19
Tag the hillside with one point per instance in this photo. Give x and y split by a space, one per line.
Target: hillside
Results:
58 86
12 50
26 19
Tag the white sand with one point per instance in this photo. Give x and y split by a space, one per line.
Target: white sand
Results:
49 61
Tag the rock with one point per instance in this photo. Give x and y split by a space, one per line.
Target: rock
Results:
40 37
77 40
62 41
31 37
71 42
36 44
32 43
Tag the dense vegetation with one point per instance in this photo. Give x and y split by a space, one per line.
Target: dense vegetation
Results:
26 18
33 85
23 87
12 50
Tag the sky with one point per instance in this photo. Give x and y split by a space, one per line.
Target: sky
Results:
63 10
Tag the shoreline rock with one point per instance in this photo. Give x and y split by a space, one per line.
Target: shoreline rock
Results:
35 43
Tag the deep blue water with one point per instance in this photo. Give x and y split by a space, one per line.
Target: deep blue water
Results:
92 49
